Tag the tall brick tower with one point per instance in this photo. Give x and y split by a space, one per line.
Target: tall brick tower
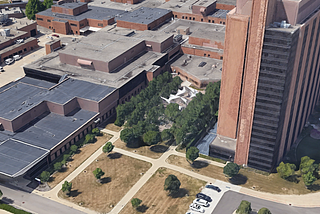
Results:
270 80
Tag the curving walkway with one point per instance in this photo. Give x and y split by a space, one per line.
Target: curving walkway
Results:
308 200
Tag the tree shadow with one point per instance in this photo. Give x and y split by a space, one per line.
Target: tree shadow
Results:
7 200
105 180
293 178
114 155
63 169
238 179
133 144
314 187
198 164
74 193
180 194
159 148
142 208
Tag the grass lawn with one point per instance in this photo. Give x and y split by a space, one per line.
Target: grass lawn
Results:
113 127
155 200
83 154
309 147
154 151
271 183
121 173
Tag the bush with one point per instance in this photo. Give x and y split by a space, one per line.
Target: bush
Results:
136 202
244 208
264 211
57 166
12 209
108 147
96 131
73 148
231 169
172 184
89 138
192 153
45 176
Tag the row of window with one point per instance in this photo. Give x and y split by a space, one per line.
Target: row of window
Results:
193 18
75 25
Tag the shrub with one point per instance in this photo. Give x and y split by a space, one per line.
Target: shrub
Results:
136 202
244 208
231 169
108 147
89 138
96 131
45 176
57 166
12 209
73 148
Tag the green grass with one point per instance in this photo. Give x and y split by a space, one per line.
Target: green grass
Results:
309 147
212 158
12 209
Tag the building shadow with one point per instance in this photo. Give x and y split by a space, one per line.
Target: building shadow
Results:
114 155
159 148
142 209
238 179
198 164
105 180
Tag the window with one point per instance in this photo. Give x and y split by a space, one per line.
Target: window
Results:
193 18
175 16
221 57
209 20
212 21
25 49
182 17
81 25
73 25
204 54
190 18
186 17
41 19
208 55
48 20
49 27
202 20
100 25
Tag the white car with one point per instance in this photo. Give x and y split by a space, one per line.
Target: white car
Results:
201 202
9 61
189 212
196 207
17 57
1 69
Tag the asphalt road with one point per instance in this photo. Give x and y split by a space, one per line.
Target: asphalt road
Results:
231 200
34 203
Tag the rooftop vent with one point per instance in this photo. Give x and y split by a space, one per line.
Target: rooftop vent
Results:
201 64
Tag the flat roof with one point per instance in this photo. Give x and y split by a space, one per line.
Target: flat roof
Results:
14 46
211 71
210 31
179 6
102 46
224 142
71 5
11 10
28 92
204 3
228 2
143 15
93 12
219 13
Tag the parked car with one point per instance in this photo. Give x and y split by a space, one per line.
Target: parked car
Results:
189 212
204 197
9 61
19 41
213 187
201 202
196 207
17 57
1 69
56 35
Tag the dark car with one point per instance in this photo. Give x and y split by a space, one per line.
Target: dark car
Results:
213 187
56 35
204 197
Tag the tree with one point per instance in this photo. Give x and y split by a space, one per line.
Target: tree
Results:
151 137
172 111
231 169
44 176
108 147
57 166
244 208
73 148
66 187
126 135
286 170
264 211
136 202
172 184
192 153
95 131
166 135
1 194
89 138
33 7
307 165
98 173
47 4
308 178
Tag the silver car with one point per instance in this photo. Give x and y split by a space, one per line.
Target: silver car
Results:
201 202
196 207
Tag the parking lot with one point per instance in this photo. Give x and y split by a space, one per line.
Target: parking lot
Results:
216 196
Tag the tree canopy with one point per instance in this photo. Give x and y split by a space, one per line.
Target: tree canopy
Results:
57 166
231 169
33 7
307 165
264 211
44 176
308 178
192 153
89 138
166 135
136 202
73 148
66 187
172 184
151 137
108 147
244 208
95 131
286 170
98 173
47 4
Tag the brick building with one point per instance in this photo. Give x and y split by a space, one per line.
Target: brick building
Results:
76 17
270 81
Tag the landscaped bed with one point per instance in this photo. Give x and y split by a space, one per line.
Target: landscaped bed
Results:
121 173
271 183
82 154
113 127
154 151
156 200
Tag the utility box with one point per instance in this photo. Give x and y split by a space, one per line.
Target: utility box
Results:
183 30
